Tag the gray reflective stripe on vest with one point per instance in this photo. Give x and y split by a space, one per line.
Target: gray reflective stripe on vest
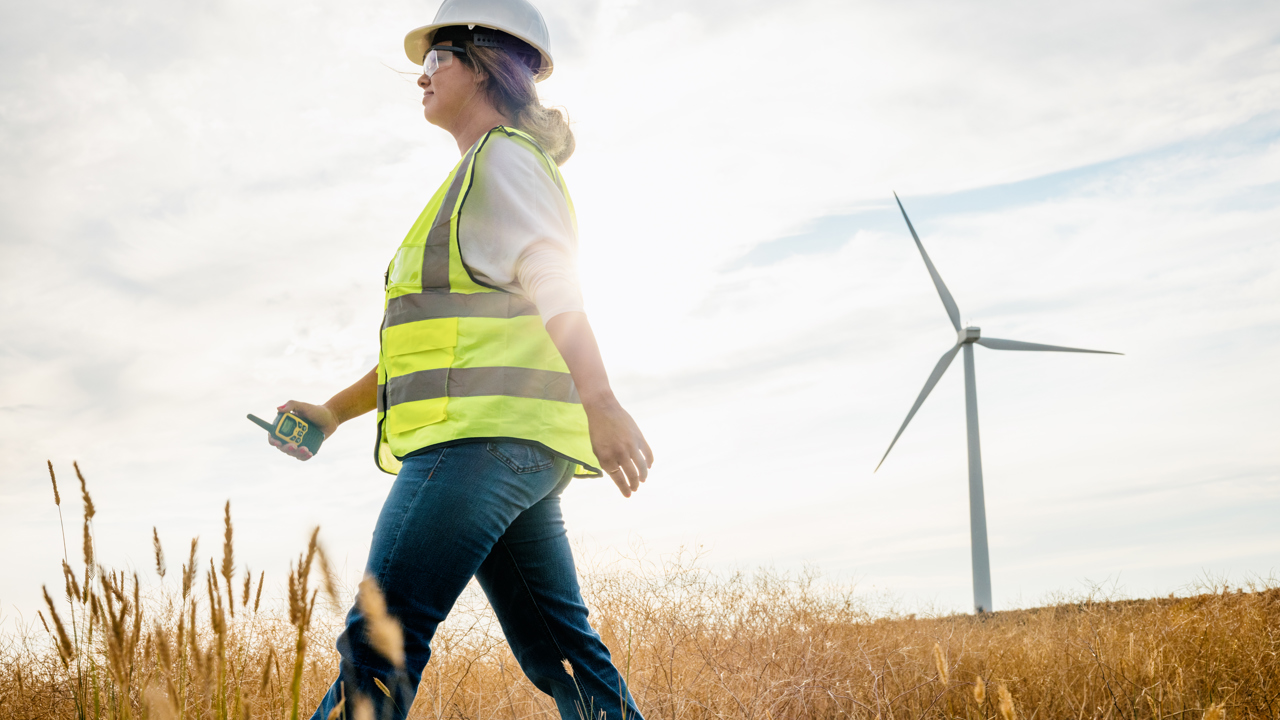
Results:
435 250
433 304
481 381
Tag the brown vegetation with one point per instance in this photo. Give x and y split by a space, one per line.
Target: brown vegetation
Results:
691 645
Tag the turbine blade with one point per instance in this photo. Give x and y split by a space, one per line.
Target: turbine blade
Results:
948 302
943 363
998 344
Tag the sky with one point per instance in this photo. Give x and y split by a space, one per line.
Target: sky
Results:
197 201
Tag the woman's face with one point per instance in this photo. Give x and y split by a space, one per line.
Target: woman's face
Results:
447 92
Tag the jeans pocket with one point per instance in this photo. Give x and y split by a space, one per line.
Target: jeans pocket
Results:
522 458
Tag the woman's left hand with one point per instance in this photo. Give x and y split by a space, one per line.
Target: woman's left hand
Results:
623 452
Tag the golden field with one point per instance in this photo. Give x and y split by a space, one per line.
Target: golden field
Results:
692 645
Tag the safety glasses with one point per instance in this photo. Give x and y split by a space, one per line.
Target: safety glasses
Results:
439 56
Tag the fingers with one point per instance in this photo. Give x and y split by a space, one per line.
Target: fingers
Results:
628 474
619 478
292 450
295 451
627 462
641 463
632 473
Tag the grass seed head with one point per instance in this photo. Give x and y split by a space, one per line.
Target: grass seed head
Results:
980 691
57 499
940 663
64 642
1005 702
295 604
137 617
363 708
326 576
385 633
155 542
266 671
162 649
159 705
1216 712
73 587
190 568
89 511
228 557
257 599
88 549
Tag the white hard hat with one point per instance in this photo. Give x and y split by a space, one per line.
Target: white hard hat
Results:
515 17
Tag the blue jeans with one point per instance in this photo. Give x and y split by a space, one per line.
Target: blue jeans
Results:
489 510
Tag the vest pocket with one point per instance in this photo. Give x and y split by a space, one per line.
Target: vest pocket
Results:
416 358
406 267
422 345
409 416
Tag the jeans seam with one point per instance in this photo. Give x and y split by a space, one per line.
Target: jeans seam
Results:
395 545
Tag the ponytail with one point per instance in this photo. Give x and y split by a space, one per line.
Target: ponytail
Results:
511 90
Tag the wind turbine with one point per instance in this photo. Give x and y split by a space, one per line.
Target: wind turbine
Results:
966 338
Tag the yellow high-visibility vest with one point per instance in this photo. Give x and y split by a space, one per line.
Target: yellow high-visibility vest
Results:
461 361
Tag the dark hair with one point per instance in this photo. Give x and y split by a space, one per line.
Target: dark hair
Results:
510 64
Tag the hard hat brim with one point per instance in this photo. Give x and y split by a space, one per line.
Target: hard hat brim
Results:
418 40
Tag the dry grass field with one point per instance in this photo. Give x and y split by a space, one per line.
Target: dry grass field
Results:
692 645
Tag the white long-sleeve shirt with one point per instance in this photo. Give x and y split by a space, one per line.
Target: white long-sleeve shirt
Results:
516 232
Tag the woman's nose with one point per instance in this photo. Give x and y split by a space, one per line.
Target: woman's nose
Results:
423 81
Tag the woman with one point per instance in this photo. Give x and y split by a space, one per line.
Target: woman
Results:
490 391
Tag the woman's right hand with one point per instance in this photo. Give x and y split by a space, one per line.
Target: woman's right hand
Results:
318 415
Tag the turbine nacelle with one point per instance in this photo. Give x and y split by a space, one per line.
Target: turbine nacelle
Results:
968 335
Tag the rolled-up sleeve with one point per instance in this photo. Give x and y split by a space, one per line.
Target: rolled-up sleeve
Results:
516 231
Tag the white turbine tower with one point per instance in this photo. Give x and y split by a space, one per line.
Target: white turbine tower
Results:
966 338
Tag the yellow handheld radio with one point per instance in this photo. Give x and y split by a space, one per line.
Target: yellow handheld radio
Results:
289 428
